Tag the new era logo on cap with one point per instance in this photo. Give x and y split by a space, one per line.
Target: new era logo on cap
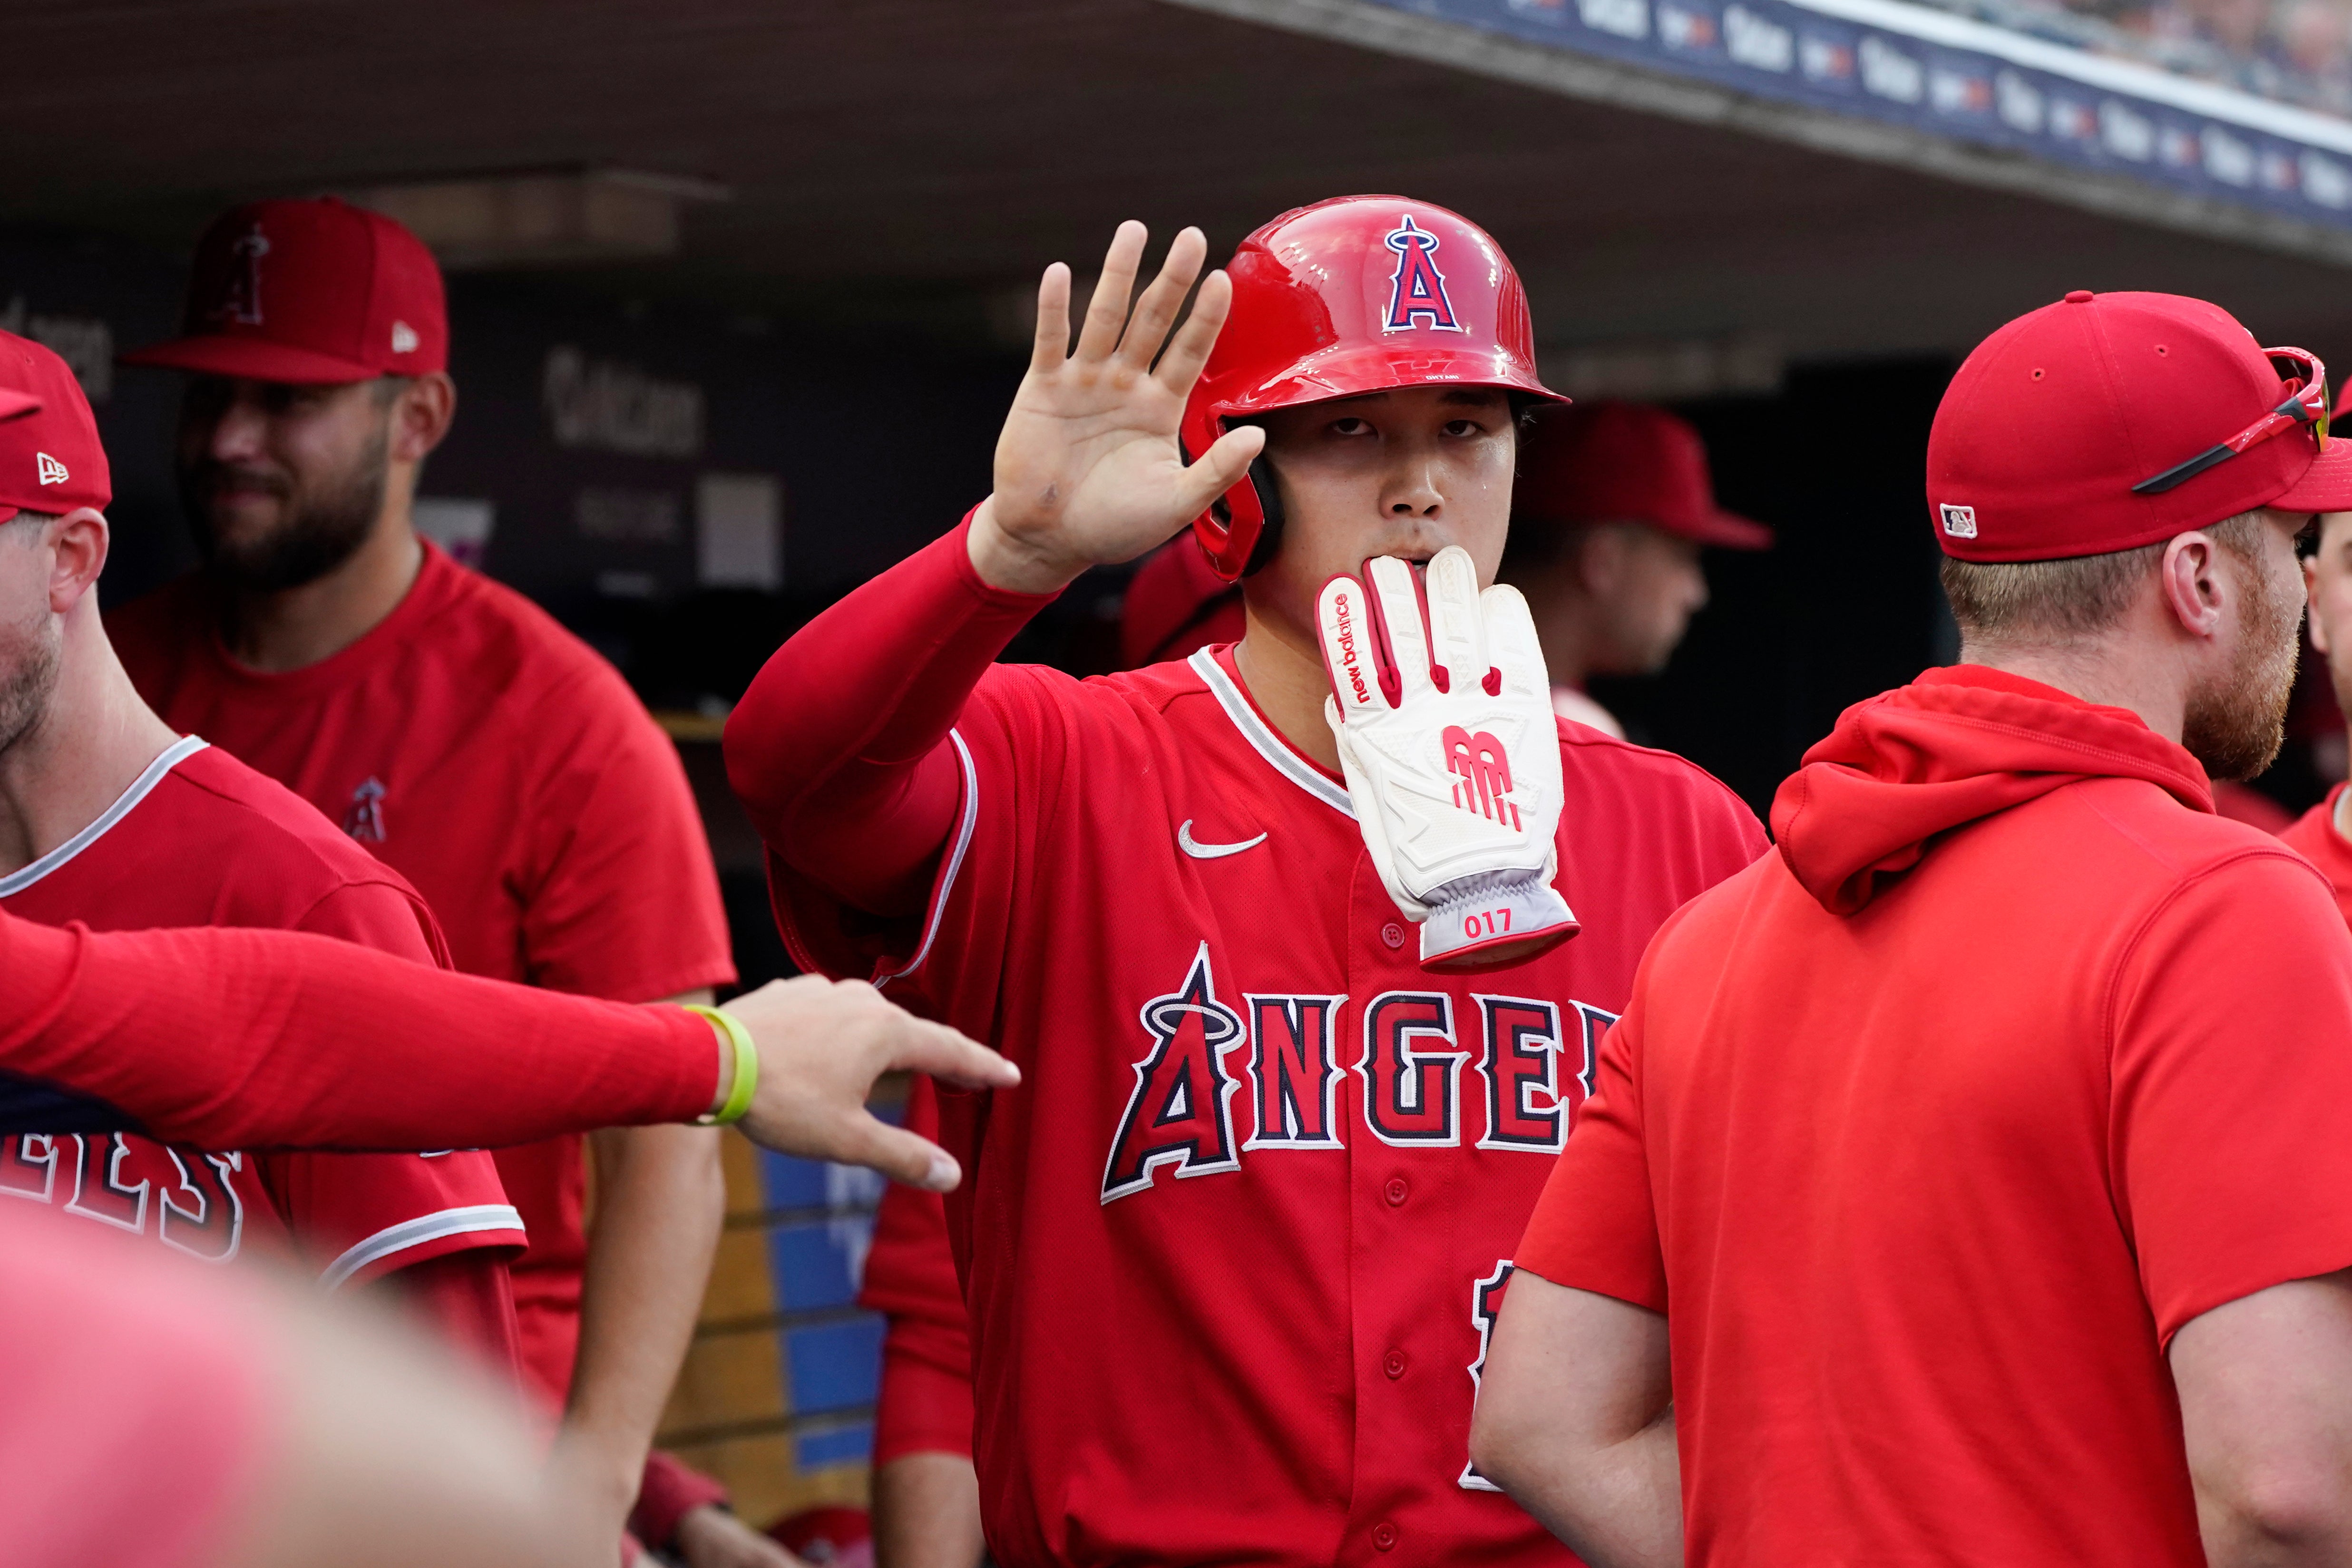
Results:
50 458
404 338
1961 522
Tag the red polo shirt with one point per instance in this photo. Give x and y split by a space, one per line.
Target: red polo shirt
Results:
1927 1133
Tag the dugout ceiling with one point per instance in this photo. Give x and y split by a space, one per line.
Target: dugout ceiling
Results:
913 162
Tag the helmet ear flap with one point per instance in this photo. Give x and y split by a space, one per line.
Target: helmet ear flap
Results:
1269 505
1240 530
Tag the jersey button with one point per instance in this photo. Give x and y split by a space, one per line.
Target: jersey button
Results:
1394 1364
1392 934
1384 1536
1396 1192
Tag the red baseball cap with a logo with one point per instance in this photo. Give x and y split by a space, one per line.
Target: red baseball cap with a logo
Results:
2109 420
50 459
312 293
1624 462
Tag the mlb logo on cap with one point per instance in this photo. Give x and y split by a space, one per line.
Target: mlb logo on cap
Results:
1961 522
50 459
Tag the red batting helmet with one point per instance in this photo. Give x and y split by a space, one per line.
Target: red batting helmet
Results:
1355 295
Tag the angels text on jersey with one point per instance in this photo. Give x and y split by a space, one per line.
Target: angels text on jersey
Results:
185 1198
1219 1083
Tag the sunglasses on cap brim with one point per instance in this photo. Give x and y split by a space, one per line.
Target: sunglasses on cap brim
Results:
2306 405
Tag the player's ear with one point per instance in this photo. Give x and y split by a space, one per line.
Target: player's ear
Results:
423 412
79 542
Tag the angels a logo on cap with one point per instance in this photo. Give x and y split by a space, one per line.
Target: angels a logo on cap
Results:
1418 290
241 294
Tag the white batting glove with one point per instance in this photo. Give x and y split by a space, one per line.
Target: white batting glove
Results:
1443 710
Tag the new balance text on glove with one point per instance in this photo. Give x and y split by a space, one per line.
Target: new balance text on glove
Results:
1443 711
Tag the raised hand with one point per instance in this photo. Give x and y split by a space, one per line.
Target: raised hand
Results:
821 1045
1087 467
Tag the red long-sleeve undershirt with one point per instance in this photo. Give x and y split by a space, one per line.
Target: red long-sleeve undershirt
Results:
235 1038
839 750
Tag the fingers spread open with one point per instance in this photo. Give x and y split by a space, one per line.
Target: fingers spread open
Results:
1342 618
1179 367
1456 629
1147 330
1106 311
1512 646
1052 344
935 1049
1404 650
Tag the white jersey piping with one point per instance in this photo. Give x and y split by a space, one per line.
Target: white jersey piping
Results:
415 1233
1270 746
955 862
179 751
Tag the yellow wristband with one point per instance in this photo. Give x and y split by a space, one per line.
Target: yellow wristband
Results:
747 1068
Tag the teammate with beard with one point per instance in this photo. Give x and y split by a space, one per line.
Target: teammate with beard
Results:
1973 1178
456 731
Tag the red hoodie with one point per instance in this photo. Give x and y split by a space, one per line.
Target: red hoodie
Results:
1928 1133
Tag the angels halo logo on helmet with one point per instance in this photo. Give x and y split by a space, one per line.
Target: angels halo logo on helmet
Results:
1342 299
1418 290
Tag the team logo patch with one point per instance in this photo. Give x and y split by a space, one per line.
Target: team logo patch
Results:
1417 294
1482 772
241 291
1180 1112
1960 522
364 819
52 471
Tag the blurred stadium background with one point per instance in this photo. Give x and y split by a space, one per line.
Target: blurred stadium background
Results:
738 290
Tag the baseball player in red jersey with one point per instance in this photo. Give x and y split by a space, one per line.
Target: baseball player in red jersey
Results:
110 819
1230 1255
453 728
2323 833
1612 506
1972 1180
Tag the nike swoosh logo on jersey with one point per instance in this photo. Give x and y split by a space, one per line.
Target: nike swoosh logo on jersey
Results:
1201 851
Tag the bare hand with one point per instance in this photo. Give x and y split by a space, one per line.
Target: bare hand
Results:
710 1537
1087 467
821 1045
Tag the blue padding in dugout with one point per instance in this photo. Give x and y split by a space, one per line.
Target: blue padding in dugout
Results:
847 1445
790 1182
835 1367
816 1264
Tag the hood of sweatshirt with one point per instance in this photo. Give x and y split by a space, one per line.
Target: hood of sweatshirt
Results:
1955 745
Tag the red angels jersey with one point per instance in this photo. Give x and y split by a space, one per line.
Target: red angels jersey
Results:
201 840
1233 1248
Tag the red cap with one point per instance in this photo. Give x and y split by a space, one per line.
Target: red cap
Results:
313 293
1624 462
2052 420
50 459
